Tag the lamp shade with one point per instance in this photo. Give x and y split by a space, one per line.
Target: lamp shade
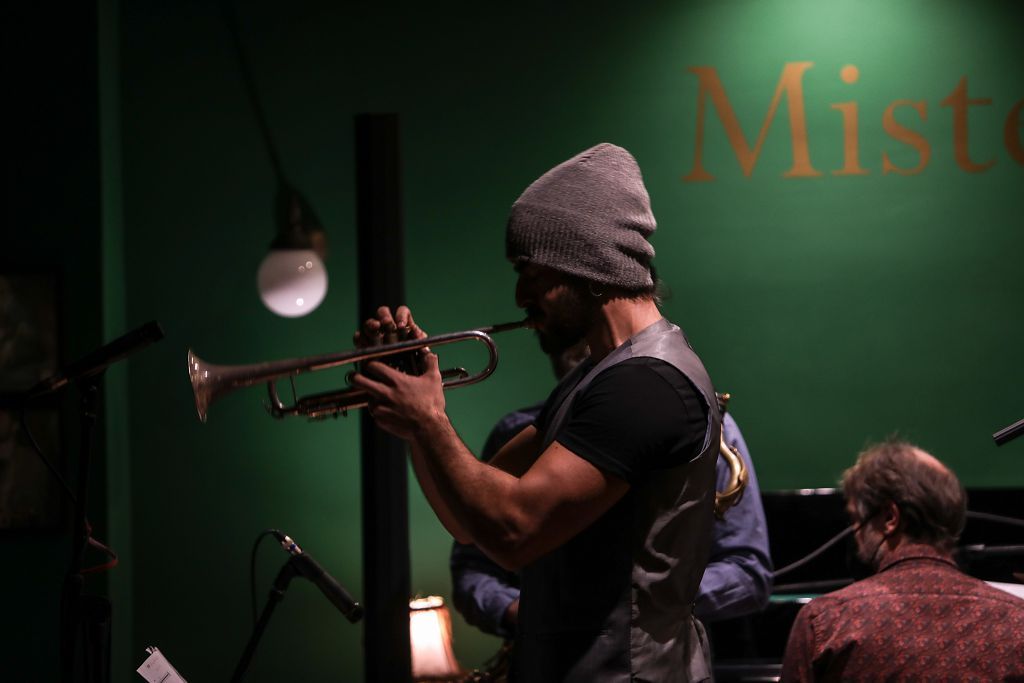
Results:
430 634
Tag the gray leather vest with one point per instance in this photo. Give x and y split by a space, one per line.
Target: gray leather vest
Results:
615 602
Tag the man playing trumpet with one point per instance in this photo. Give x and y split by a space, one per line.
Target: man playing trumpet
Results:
605 503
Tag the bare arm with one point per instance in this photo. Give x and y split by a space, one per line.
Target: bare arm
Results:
516 510
514 458
520 453
388 328
514 519
430 490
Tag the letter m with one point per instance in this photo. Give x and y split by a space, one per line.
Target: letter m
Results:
790 83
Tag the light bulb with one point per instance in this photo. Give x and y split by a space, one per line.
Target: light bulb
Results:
292 282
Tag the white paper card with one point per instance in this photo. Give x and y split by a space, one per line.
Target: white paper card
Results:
156 668
1016 589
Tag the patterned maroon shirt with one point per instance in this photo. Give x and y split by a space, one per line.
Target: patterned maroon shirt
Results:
919 618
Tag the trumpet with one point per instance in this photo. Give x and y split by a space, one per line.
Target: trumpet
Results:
210 382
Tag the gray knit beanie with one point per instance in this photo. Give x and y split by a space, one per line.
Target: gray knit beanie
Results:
589 217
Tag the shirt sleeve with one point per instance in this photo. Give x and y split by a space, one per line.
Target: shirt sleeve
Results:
738 578
636 417
507 427
481 590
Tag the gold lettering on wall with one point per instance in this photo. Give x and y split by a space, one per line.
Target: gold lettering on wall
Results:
1011 133
790 83
960 102
851 148
906 136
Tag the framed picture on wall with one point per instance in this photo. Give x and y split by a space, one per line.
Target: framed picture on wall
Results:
30 495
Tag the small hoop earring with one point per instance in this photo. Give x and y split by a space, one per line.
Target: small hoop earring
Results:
597 295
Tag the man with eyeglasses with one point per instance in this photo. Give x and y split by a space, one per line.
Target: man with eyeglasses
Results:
918 617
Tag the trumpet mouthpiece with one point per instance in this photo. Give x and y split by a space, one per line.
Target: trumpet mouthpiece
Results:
504 327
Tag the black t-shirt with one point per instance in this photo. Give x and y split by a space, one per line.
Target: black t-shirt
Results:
637 416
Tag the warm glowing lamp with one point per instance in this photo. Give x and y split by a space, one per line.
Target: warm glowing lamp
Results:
430 634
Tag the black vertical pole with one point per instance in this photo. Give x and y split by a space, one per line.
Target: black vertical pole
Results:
381 252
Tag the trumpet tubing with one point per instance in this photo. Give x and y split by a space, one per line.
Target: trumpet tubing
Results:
210 382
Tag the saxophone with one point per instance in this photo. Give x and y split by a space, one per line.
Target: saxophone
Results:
738 474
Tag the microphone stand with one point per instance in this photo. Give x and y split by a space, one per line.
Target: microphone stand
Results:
292 568
94 655
85 620
284 577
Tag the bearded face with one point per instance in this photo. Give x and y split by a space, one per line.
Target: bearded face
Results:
559 307
567 321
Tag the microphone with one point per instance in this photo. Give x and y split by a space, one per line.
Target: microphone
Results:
1007 434
97 361
310 569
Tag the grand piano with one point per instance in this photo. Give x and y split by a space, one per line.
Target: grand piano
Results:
800 521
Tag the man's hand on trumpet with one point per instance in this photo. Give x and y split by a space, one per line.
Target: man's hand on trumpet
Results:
387 328
401 404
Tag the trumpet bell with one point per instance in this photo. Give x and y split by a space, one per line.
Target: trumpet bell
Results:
199 374
209 381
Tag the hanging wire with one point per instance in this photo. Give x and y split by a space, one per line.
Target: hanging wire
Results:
42 456
112 559
815 553
989 517
231 19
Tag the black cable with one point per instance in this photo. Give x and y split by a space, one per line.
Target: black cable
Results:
90 541
972 552
815 553
252 567
989 517
231 19
42 456
824 586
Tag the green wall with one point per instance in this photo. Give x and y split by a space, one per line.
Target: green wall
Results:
837 309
